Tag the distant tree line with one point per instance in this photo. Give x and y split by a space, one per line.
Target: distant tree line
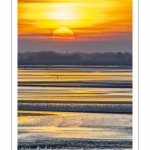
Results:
78 58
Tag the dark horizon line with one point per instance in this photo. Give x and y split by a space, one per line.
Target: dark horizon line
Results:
74 52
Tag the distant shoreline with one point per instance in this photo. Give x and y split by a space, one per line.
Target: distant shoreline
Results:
23 66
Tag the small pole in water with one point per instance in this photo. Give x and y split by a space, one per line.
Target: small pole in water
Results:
57 77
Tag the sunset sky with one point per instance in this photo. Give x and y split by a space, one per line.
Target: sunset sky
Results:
75 25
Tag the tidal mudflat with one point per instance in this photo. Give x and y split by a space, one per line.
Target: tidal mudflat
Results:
75 107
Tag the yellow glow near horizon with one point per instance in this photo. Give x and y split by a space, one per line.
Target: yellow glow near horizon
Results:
100 18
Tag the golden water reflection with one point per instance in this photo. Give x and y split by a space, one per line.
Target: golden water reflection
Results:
74 94
54 75
75 84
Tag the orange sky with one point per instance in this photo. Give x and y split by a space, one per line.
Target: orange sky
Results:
89 20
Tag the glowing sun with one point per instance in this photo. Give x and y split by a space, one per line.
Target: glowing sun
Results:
63 34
